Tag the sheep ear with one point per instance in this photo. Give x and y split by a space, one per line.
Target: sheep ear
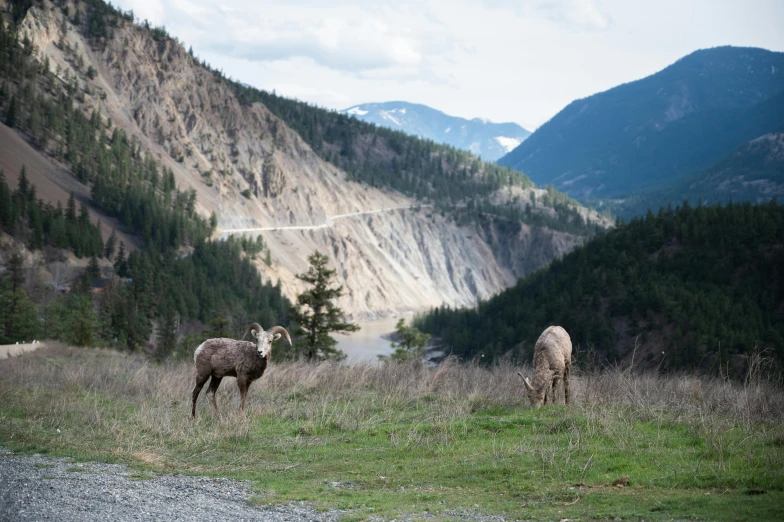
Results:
277 336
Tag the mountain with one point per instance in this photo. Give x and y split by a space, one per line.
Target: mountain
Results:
482 138
754 172
659 130
697 287
174 151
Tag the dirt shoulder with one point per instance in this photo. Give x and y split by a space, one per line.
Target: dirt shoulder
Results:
41 488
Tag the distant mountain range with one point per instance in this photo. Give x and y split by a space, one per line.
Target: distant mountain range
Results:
663 130
478 136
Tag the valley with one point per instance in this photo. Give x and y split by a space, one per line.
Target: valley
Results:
410 226
246 166
153 206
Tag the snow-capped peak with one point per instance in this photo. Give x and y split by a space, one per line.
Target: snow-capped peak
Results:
509 144
479 135
356 111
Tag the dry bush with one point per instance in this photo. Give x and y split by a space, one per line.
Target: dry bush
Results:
757 400
333 395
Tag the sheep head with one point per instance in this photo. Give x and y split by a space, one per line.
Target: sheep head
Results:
264 338
536 391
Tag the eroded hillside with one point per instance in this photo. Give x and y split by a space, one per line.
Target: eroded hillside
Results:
393 253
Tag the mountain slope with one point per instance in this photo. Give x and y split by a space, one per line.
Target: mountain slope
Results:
754 172
659 129
245 164
692 287
480 137
55 182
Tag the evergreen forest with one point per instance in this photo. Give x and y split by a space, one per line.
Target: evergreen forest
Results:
687 288
133 299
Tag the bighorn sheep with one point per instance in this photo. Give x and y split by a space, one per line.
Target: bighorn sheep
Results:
552 363
245 360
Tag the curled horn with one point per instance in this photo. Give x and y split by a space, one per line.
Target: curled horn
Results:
253 326
280 330
526 381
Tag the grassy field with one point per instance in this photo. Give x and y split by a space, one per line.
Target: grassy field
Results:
404 440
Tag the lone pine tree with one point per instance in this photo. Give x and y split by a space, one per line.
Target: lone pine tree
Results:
317 314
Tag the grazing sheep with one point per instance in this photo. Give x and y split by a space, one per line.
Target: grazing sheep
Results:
552 363
245 360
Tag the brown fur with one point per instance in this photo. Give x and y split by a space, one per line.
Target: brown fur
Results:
221 357
552 364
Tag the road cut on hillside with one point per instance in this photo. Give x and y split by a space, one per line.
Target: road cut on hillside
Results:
327 224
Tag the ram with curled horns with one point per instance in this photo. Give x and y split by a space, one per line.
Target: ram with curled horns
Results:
245 360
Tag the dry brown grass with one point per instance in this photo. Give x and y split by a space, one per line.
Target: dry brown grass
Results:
460 426
162 392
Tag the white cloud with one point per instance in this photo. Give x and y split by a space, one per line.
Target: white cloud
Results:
347 36
574 14
507 60
580 14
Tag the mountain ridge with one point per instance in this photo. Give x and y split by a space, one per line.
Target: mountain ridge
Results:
479 136
643 133
249 167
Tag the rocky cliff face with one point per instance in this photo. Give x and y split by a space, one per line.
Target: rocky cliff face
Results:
390 257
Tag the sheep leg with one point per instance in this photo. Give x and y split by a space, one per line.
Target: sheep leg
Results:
556 382
242 383
200 381
567 374
214 383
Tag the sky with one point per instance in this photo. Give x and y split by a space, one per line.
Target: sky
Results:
503 60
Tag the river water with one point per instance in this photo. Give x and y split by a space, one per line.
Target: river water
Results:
367 344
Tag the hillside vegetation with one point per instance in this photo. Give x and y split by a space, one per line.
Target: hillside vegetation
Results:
454 180
660 129
142 298
406 442
693 288
125 182
754 172
164 142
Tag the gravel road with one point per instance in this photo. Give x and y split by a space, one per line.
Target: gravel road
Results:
41 488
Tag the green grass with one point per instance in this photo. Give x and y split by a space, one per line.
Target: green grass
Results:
401 441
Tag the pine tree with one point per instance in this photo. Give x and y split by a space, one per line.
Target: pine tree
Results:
84 215
23 186
167 333
120 263
27 326
220 324
411 343
80 320
6 202
11 296
317 315
93 268
11 113
70 209
108 251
